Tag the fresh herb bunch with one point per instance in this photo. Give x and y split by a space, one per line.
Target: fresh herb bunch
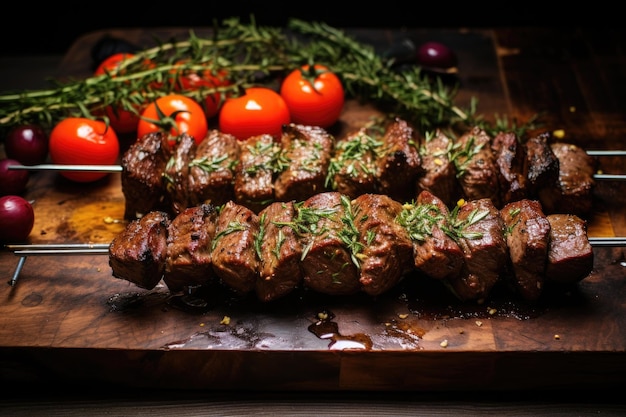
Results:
251 55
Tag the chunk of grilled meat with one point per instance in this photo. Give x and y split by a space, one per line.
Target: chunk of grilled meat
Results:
233 253
352 170
386 250
435 253
570 256
327 263
280 251
398 161
574 191
512 165
543 166
480 231
176 173
143 165
254 176
138 253
528 239
438 173
212 170
189 242
306 151
476 167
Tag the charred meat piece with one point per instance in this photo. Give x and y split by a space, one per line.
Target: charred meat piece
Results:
398 162
138 253
254 177
352 169
528 239
435 253
574 193
233 252
280 251
143 165
306 150
189 242
570 255
212 170
386 251
512 166
543 165
476 166
438 170
176 174
480 231
327 261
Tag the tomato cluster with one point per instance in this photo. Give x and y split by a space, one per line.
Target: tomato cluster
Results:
309 95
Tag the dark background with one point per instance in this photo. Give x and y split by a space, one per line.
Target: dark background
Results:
52 27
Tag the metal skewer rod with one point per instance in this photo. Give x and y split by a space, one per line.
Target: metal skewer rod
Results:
606 153
60 167
73 249
60 249
58 246
103 248
118 168
610 177
18 269
607 242
67 252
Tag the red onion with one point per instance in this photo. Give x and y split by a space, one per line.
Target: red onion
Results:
17 218
12 181
436 55
27 144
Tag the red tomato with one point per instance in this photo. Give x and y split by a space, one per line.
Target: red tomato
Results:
82 141
112 63
123 121
314 96
259 111
175 113
189 80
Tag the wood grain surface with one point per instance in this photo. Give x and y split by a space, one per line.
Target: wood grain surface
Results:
69 321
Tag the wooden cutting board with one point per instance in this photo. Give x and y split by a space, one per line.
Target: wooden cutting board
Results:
69 321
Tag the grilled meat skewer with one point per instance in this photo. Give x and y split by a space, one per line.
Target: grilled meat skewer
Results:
340 246
382 158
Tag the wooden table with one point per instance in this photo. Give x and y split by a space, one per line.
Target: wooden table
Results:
69 323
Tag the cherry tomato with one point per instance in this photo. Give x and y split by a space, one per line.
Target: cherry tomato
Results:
122 120
112 63
314 95
17 218
190 80
82 141
175 113
259 111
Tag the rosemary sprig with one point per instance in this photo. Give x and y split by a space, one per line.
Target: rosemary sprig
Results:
349 234
457 228
418 220
232 227
251 55
354 156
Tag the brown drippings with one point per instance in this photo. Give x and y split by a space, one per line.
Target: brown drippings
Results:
325 328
